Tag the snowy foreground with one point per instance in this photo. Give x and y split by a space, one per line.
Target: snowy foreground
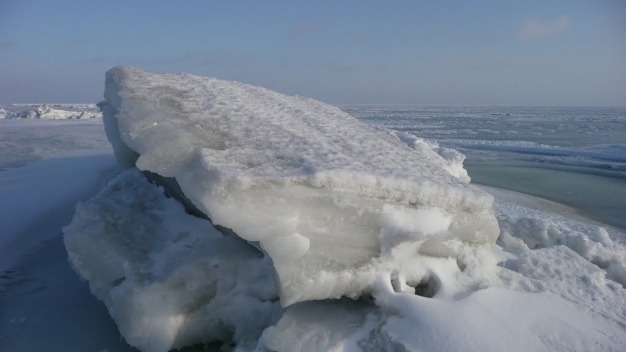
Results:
324 235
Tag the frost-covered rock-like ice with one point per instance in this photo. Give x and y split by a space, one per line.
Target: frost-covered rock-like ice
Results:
169 279
327 197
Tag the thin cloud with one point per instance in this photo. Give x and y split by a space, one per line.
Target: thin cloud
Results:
222 58
307 28
93 60
81 41
176 59
7 44
534 28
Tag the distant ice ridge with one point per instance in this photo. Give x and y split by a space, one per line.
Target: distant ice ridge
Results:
50 111
327 197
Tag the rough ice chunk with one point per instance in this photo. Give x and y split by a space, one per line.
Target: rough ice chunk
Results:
309 182
169 279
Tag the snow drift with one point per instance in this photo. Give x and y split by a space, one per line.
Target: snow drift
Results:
325 195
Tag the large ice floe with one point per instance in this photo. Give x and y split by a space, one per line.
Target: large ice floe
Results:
310 231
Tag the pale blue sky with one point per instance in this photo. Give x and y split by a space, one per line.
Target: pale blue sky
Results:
566 52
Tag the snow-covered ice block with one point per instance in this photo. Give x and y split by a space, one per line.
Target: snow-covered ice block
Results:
168 279
325 195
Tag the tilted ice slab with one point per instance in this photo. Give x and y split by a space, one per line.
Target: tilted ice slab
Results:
327 197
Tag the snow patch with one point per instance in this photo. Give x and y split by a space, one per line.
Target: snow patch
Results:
524 228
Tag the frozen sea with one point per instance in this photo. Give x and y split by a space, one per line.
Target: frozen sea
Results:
575 157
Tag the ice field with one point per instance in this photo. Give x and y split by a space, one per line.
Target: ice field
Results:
326 232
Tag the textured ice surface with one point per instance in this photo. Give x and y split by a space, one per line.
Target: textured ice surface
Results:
309 182
169 279
542 226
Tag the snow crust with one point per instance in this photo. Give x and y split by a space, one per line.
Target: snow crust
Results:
52 112
168 279
311 184
523 229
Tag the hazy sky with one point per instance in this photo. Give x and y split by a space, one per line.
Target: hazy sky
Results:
395 52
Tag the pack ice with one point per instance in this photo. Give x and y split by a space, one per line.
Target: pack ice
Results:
312 203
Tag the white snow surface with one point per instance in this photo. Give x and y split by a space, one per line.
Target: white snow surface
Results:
491 319
316 187
523 228
50 111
